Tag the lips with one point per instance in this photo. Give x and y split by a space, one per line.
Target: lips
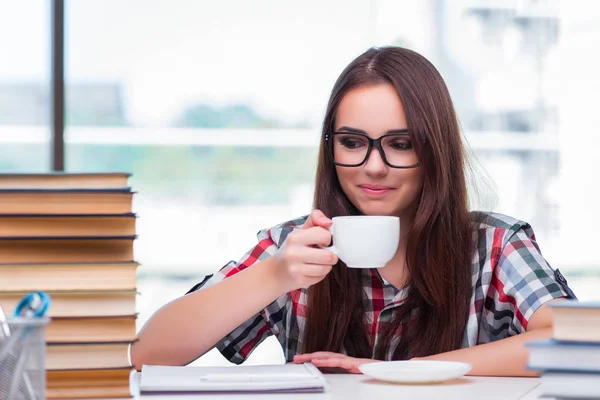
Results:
375 190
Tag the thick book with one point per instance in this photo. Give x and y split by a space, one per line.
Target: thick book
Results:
91 329
77 303
570 385
66 201
66 249
548 355
64 180
576 320
62 356
33 225
287 378
88 384
69 276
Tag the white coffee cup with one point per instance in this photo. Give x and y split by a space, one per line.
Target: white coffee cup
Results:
365 241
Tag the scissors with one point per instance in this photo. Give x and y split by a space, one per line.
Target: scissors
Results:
34 304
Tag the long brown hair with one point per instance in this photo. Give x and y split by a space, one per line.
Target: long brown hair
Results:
440 243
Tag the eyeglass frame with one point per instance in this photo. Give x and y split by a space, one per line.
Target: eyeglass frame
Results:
372 143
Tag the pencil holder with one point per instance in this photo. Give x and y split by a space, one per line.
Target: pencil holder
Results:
23 359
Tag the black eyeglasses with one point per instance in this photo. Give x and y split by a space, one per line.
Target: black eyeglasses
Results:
348 149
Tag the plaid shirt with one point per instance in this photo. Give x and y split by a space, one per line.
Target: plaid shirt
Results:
511 280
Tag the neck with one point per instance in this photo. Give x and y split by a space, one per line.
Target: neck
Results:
396 271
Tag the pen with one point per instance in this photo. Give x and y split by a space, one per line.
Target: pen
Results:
254 378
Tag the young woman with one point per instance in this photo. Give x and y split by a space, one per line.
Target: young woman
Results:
462 286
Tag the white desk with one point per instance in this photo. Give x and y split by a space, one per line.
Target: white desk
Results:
347 386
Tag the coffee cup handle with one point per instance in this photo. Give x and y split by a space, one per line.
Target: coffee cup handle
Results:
331 248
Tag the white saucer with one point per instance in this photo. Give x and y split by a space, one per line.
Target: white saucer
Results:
415 371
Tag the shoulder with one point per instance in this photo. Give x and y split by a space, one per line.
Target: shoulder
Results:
498 227
497 236
492 220
278 233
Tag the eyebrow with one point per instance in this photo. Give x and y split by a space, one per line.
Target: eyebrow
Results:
355 130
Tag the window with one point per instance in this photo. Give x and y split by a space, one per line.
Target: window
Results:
216 110
24 86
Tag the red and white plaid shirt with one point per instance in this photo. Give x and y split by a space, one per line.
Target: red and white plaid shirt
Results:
511 280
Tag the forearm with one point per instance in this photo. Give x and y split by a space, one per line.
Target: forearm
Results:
506 357
189 326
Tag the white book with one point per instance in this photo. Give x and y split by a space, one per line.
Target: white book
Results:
287 378
552 355
571 385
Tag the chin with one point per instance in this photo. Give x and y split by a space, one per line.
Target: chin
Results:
379 209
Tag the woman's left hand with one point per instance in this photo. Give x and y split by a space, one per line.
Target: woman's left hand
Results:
327 359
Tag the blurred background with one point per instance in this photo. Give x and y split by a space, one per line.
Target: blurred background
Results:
215 107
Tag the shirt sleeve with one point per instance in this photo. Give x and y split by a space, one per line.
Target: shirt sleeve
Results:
522 281
241 342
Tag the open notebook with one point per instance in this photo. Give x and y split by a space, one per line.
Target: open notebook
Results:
287 378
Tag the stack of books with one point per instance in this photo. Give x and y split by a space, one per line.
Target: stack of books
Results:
72 235
570 361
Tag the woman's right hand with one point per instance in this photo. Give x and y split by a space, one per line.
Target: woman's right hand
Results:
300 262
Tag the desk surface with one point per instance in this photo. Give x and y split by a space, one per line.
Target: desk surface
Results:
346 386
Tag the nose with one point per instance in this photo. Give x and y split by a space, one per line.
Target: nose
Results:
374 166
